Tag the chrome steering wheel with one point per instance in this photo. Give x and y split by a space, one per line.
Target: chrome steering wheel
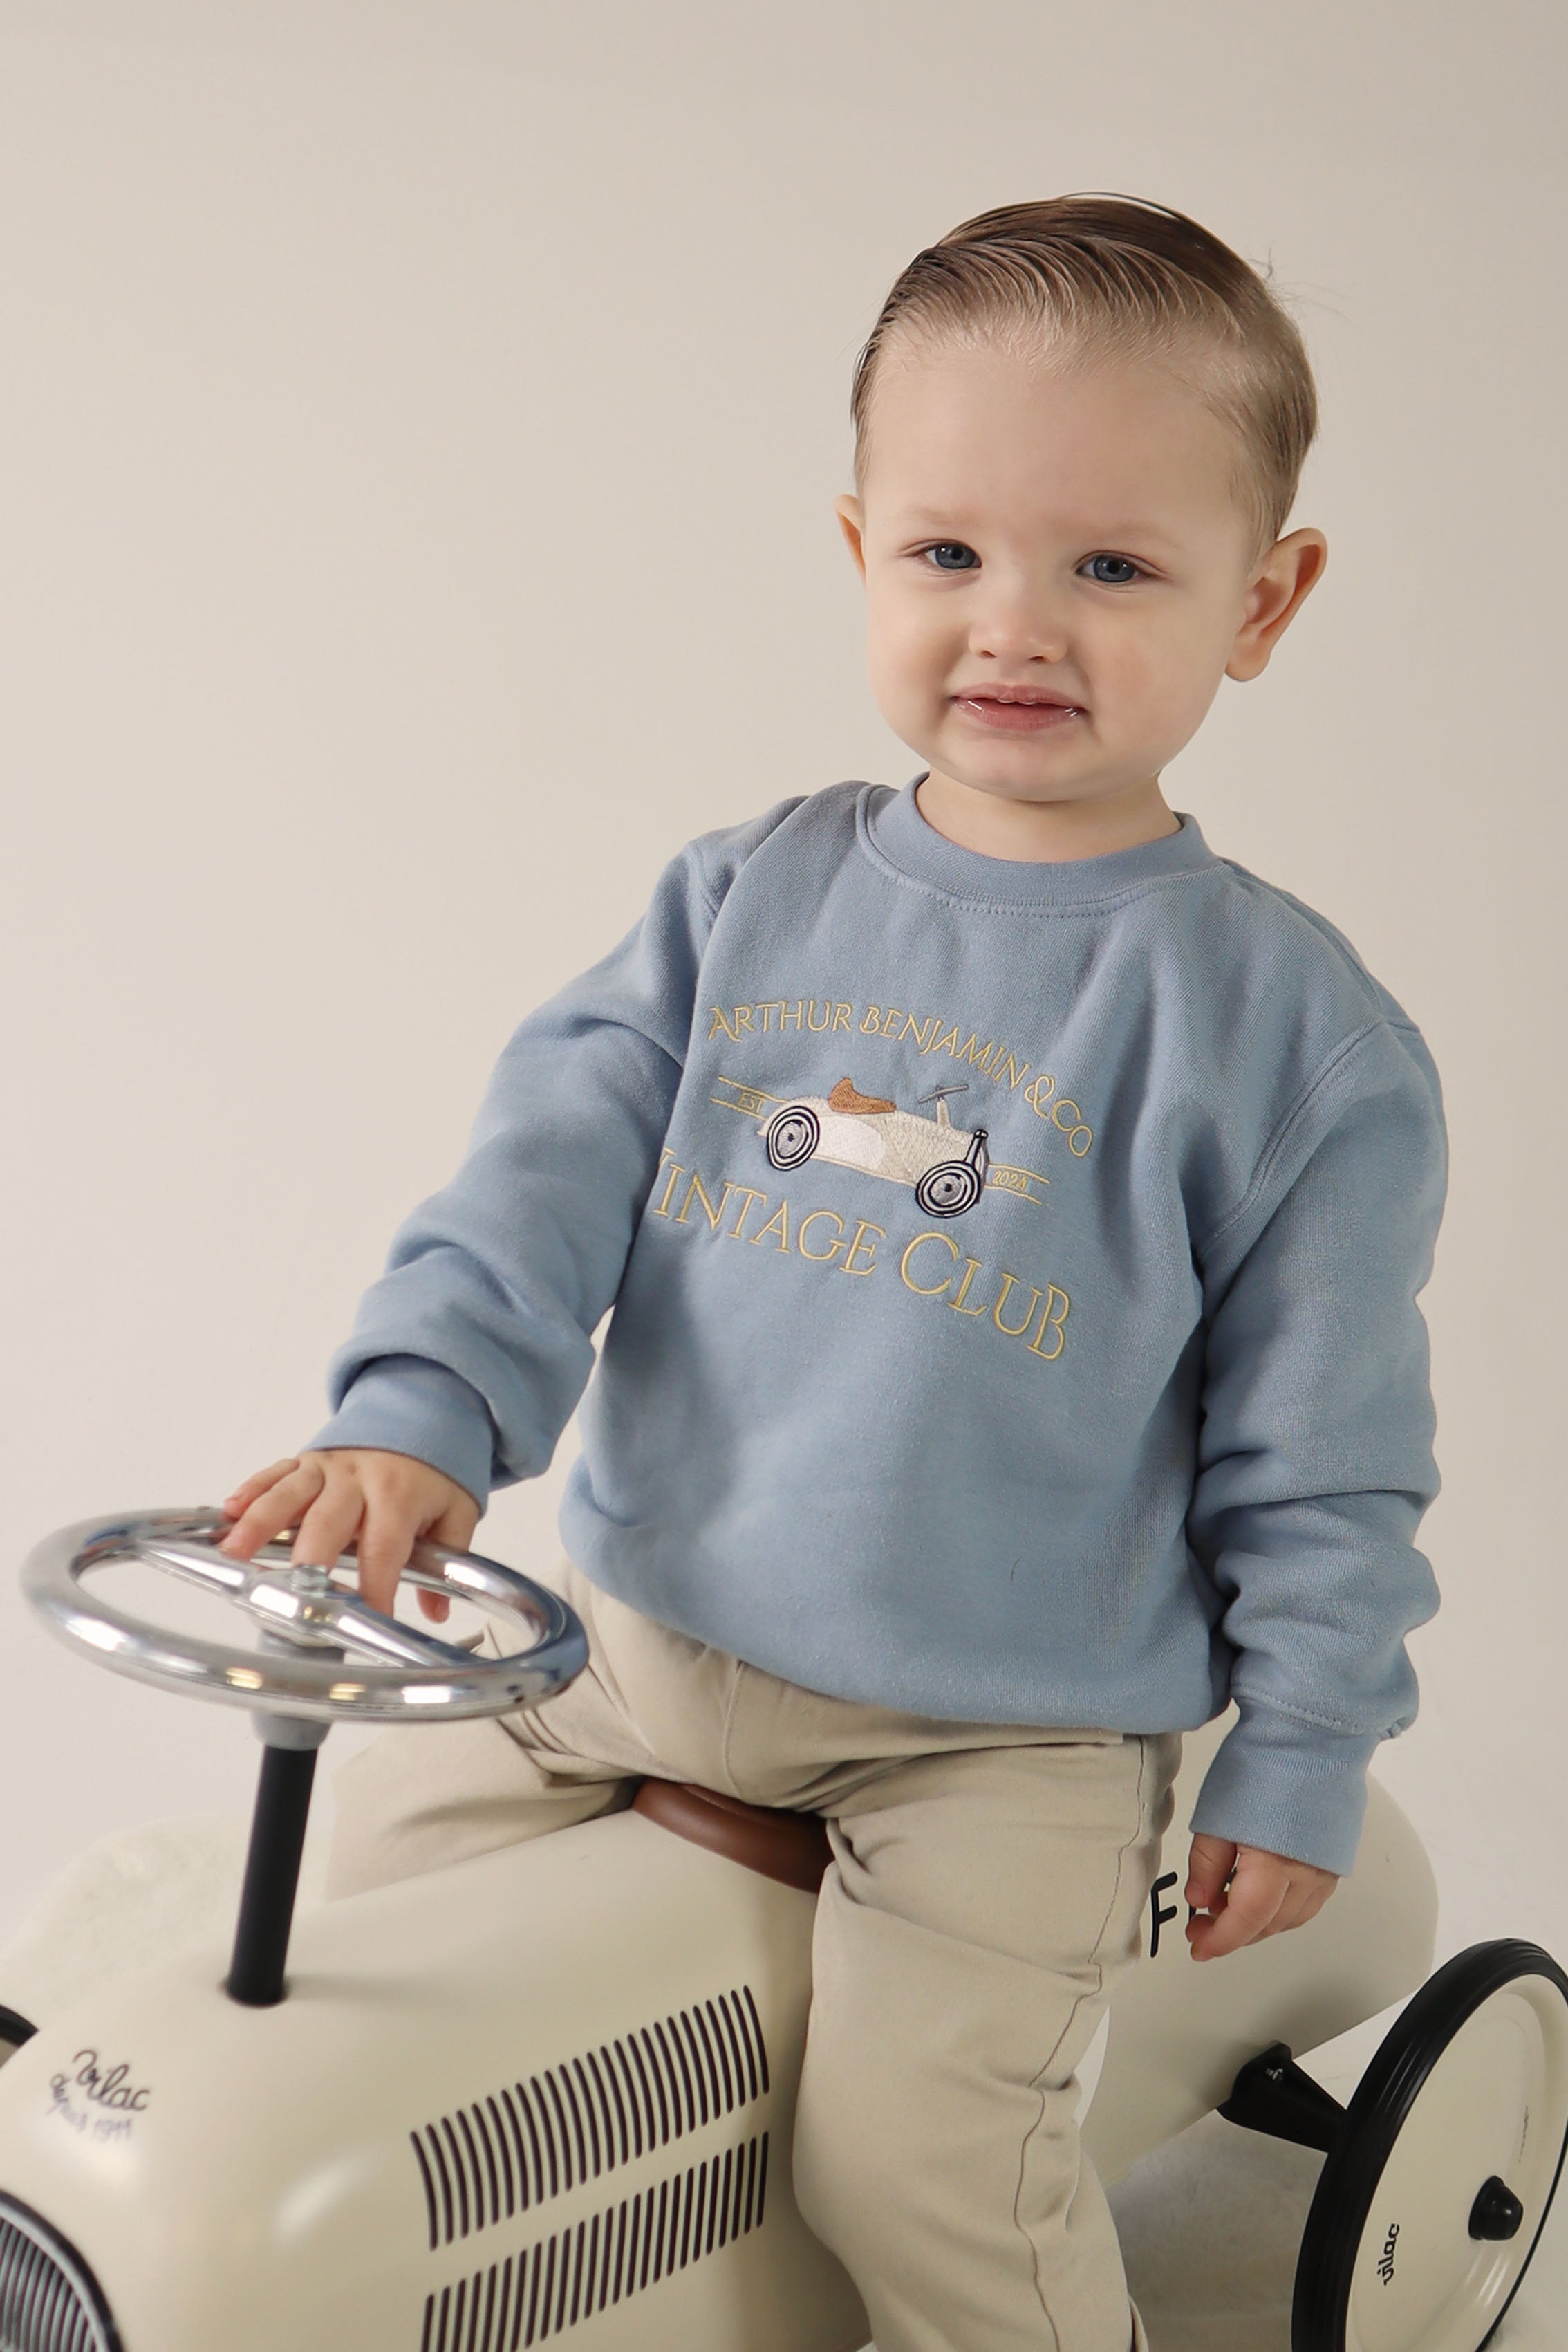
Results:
326 1655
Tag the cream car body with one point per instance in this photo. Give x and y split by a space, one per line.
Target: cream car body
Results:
552 2090
946 1166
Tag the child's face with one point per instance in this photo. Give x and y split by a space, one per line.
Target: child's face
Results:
1070 532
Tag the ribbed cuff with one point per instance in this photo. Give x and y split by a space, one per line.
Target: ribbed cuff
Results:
407 1404
1290 1786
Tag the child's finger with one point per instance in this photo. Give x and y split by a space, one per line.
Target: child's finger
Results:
1208 1871
456 1525
454 1529
273 1510
1280 1924
386 1539
324 1532
1302 1903
1255 1898
245 1493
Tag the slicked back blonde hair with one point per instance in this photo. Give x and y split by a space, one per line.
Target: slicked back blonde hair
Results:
1099 279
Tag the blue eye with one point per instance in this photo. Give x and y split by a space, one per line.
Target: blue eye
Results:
1130 571
950 547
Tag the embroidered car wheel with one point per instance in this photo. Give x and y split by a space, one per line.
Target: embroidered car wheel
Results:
793 1134
1432 2199
950 1188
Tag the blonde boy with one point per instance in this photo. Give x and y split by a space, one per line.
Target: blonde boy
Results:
1013 1215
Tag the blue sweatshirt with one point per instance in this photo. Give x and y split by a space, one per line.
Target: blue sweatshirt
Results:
1014 1271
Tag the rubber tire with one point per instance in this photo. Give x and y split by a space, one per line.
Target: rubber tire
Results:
14 2031
1375 2117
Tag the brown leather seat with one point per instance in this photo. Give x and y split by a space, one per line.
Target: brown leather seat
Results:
790 1847
847 1097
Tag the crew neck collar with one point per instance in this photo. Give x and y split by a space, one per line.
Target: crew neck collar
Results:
896 834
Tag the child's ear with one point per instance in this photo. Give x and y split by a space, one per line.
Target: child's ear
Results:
1289 573
852 523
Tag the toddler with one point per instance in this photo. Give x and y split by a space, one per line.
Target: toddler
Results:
1013 1215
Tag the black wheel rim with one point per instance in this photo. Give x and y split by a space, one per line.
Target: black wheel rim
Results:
792 1139
1403 2064
947 1191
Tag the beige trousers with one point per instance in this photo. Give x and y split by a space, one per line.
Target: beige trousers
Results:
989 1885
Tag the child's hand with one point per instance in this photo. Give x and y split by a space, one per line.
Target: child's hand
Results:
385 1499
1266 1893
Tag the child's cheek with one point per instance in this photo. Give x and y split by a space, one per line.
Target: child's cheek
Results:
908 673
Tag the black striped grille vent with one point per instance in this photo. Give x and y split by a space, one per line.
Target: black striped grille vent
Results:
550 2287
42 2309
531 2141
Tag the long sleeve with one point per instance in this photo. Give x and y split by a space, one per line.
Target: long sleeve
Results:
1315 1448
474 1346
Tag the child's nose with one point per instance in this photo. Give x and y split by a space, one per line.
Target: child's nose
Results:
1012 625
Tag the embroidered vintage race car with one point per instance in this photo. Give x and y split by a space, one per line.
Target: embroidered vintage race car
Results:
948 1167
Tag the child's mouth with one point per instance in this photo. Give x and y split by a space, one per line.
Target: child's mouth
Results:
1017 717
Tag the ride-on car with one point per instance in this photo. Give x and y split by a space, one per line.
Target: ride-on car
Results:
549 2093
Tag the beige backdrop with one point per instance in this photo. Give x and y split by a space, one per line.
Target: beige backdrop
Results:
420 426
